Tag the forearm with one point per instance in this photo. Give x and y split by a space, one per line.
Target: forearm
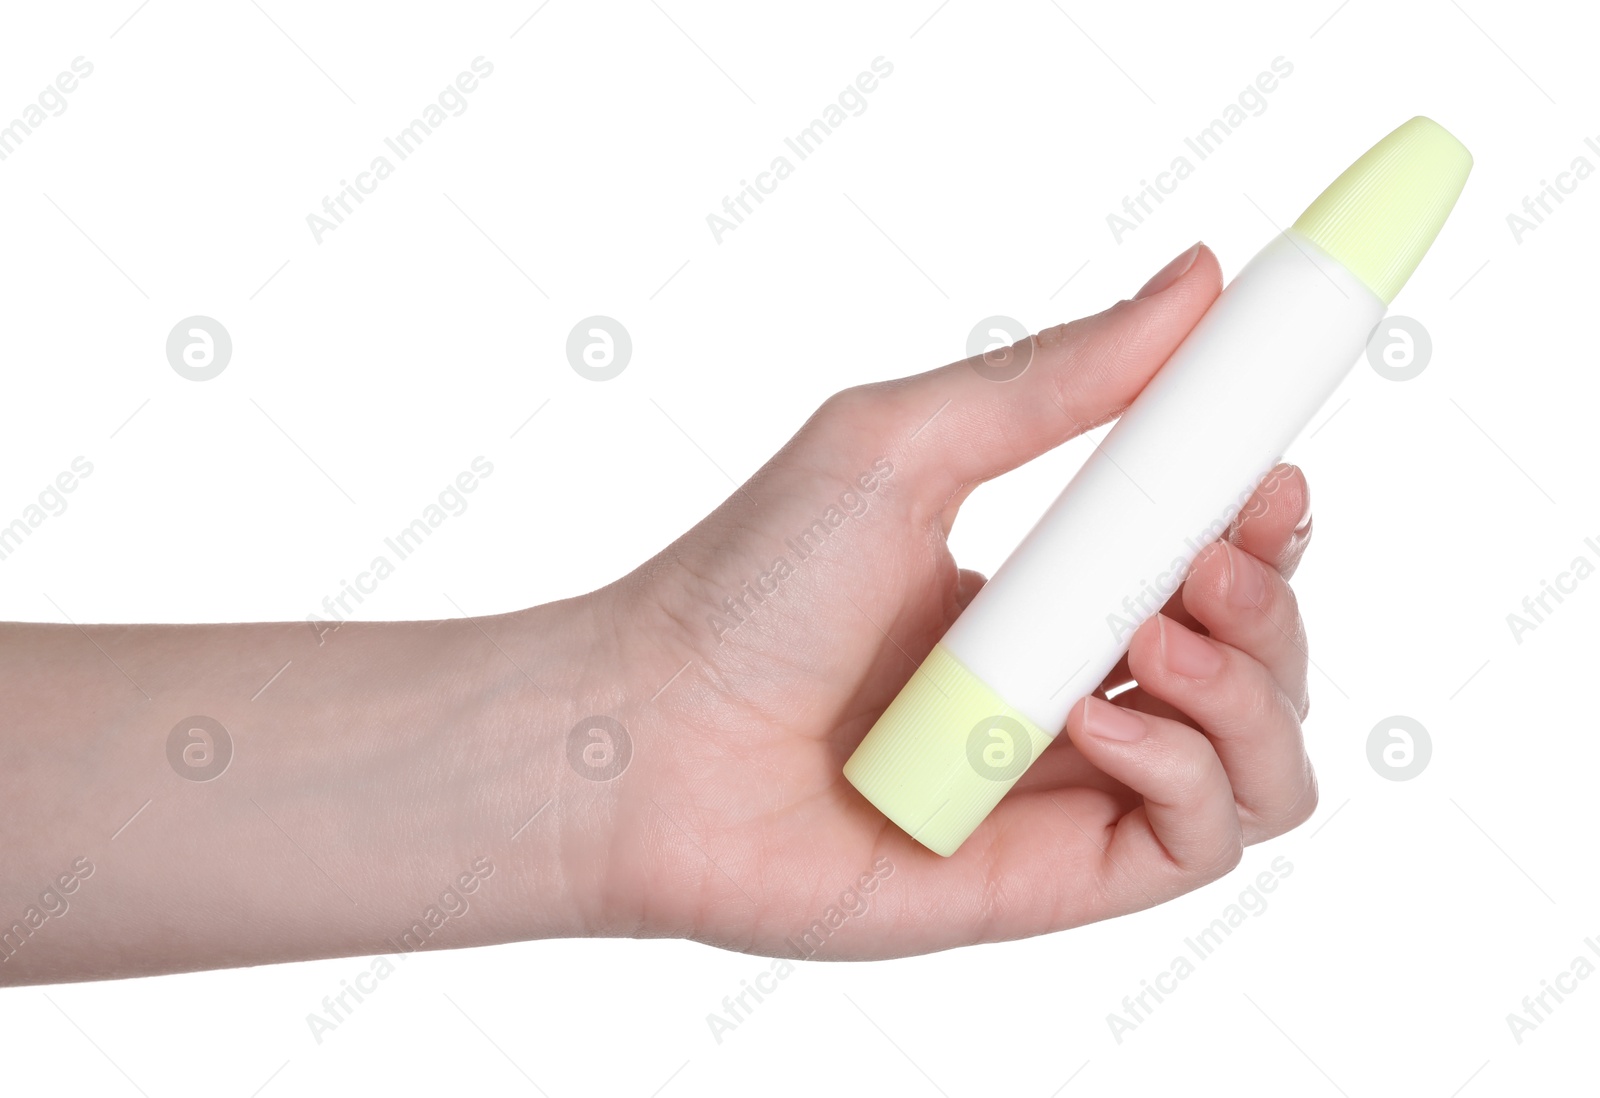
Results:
376 799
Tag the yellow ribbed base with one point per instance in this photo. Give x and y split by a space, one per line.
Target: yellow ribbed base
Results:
943 754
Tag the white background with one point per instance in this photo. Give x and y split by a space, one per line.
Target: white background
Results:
427 329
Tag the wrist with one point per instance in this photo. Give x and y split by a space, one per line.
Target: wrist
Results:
557 762
603 730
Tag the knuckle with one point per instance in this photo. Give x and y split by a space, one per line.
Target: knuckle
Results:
1305 805
1261 712
1304 706
853 404
1289 603
1284 711
1289 814
1224 857
853 420
1189 780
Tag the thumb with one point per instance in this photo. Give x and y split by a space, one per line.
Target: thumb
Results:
975 419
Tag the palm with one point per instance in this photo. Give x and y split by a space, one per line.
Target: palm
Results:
749 799
738 828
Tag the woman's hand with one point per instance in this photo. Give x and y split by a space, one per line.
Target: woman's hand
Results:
397 786
757 650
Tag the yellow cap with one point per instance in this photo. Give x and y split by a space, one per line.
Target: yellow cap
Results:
943 754
1380 216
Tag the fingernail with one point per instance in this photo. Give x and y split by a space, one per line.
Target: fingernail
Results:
1169 274
1110 721
1247 586
1187 653
1305 516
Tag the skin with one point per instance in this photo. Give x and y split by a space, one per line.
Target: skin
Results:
392 762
